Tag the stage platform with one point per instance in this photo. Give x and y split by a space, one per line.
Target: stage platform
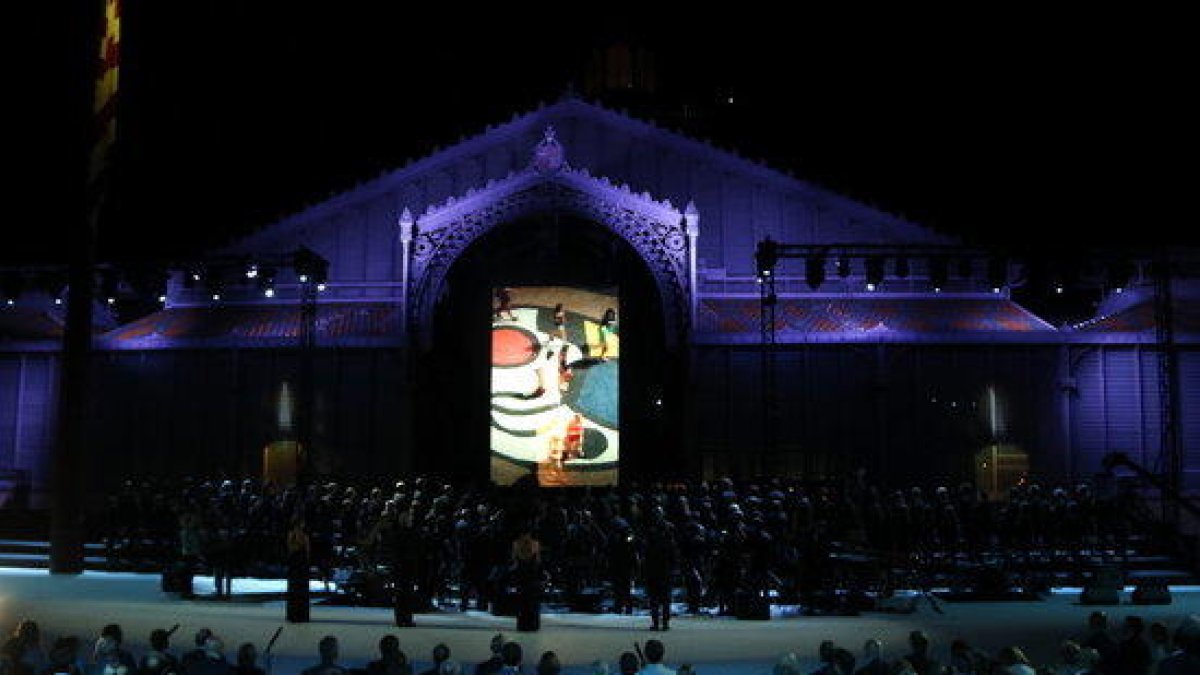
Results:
80 605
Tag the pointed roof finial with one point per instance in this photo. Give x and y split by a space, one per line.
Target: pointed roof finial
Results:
407 223
548 154
691 219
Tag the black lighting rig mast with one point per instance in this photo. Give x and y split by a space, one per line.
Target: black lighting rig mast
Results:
1170 460
766 257
311 271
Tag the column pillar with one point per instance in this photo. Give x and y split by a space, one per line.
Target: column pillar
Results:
691 220
407 228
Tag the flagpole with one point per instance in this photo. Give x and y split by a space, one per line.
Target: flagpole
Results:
75 377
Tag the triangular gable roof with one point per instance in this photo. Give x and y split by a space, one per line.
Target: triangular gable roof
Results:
528 125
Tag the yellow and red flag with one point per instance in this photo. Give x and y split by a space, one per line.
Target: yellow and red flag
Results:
105 103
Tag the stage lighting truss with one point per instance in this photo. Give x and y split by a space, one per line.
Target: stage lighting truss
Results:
247 279
766 257
814 271
920 267
874 267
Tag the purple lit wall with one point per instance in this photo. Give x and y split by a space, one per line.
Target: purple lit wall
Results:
171 412
913 412
1114 406
28 397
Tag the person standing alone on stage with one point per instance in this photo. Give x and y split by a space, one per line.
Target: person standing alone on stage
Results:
658 565
527 573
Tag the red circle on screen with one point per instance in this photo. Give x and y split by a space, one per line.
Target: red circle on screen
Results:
513 347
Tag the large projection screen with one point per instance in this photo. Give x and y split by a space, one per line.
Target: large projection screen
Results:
555 404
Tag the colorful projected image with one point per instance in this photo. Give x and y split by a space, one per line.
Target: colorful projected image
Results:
556 363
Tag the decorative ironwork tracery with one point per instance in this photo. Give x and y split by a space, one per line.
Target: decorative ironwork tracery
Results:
654 229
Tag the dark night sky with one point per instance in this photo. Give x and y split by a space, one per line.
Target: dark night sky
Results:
1005 129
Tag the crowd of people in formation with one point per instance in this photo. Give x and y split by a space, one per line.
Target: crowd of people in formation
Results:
710 543
1132 649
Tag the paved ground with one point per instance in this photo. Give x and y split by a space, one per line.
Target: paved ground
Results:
81 605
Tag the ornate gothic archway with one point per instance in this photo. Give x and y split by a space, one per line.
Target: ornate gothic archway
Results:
662 235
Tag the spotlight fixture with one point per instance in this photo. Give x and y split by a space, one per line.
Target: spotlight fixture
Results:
814 271
266 281
871 287
1120 273
58 301
111 300
874 266
11 287
321 287
252 271
997 272
162 299
214 283
766 256
939 272
309 266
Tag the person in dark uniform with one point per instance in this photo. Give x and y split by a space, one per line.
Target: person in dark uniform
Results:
621 563
727 571
527 574
405 554
297 563
218 552
693 551
658 565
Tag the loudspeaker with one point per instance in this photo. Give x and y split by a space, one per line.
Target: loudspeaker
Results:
586 601
177 578
505 603
990 581
1100 595
1151 593
751 607
1104 588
